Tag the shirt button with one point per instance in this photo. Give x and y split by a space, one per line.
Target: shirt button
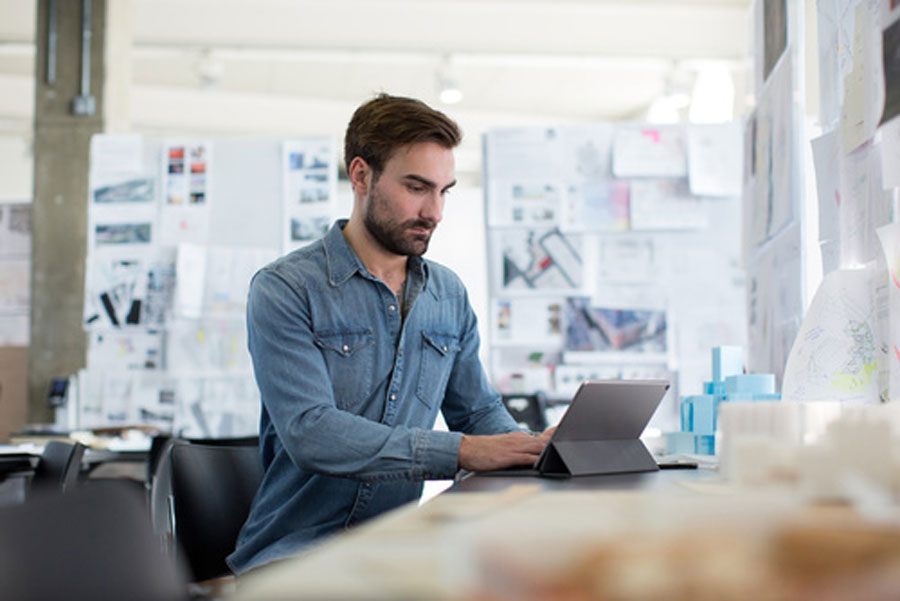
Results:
392 308
393 397
345 348
445 348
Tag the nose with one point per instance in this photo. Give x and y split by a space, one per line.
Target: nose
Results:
433 207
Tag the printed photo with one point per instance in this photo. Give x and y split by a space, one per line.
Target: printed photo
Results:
122 233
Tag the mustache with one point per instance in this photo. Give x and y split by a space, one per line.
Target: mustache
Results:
428 224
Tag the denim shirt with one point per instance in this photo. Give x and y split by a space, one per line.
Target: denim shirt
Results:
350 391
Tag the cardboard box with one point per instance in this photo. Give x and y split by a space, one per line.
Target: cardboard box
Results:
13 389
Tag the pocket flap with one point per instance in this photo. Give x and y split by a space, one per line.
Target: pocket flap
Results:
442 343
344 343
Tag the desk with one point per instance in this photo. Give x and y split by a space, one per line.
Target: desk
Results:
430 552
682 532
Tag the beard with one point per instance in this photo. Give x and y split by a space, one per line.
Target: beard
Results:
393 236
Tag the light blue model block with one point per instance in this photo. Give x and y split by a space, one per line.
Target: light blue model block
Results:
705 445
750 383
680 442
740 397
704 414
717 388
727 361
767 397
687 416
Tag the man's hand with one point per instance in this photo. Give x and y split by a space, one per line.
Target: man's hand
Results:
483 453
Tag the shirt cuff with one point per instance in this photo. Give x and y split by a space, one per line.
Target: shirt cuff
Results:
436 454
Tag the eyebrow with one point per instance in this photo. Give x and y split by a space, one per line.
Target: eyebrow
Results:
427 182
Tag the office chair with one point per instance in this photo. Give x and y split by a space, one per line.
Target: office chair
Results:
527 409
93 543
59 467
201 496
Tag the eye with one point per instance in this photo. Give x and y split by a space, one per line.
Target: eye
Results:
416 188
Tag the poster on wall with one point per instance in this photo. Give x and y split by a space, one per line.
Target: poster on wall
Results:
770 208
122 212
665 204
186 183
537 260
597 205
595 328
309 185
129 290
714 159
518 321
643 150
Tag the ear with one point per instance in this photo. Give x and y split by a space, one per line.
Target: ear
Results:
360 175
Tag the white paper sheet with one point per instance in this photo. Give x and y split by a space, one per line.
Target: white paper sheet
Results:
598 205
217 407
890 243
15 286
864 93
228 274
665 205
122 211
528 321
119 350
642 150
864 206
525 202
207 346
537 260
715 159
15 229
772 205
835 355
309 189
187 171
128 289
190 270
826 155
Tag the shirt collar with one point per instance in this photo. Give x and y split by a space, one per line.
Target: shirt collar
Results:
343 261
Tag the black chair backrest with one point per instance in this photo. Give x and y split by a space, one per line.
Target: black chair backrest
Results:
211 489
527 409
93 543
59 466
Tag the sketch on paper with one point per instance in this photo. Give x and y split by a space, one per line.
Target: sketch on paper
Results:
128 291
133 190
122 233
598 205
591 328
649 151
539 260
528 320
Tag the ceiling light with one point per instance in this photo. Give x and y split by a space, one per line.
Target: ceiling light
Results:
448 89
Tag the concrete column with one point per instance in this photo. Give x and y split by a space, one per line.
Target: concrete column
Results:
61 166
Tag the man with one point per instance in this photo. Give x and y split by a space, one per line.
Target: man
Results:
357 342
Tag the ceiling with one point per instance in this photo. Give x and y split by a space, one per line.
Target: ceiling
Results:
299 67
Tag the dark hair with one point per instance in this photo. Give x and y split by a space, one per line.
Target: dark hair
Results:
382 125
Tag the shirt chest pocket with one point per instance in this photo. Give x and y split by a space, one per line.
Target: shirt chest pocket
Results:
349 358
438 354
